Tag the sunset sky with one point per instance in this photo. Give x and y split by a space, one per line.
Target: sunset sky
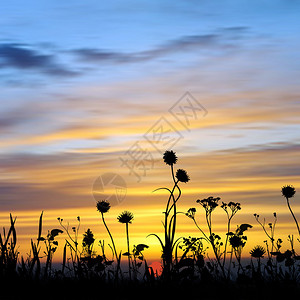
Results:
84 84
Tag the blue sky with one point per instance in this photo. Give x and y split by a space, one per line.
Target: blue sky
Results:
55 31
53 53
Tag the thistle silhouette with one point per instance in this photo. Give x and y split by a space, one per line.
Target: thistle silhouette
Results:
103 207
126 218
182 176
288 192
258 253
170 157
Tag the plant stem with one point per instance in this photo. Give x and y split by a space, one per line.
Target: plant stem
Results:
205 236
209 225
111 238
179 195
172 192
230 262
170 226
114 248
237 254
227 237
288 203
128 250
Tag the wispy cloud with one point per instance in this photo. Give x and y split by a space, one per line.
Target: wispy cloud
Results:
65 179
222 40
24 57
37 58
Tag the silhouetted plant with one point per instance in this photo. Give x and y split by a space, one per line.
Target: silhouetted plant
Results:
126 218
288 192
88 242
272 231
210 204
182 176
275 256
258 253
237 240
72 244
51 246
230 209
192 258
8 251
170 219
271 266
31 266
103 207
92 264
87 256
138 259
170 158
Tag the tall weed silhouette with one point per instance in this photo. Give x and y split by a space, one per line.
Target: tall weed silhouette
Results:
170 214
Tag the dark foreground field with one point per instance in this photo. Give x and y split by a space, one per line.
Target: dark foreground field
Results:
93 289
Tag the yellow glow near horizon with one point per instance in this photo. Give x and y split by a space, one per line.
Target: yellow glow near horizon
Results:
146 221
60 183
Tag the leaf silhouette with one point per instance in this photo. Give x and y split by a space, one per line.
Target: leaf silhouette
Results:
242 228
55 232
141 247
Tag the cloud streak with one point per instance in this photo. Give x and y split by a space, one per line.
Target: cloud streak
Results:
30 58
22 57
70 176
214 42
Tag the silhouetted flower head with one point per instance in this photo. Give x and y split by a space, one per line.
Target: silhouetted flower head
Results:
233 206
103 206
125 217
209 203
288 191
170 157
236 241
182 175
191 212
88 238
258 252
